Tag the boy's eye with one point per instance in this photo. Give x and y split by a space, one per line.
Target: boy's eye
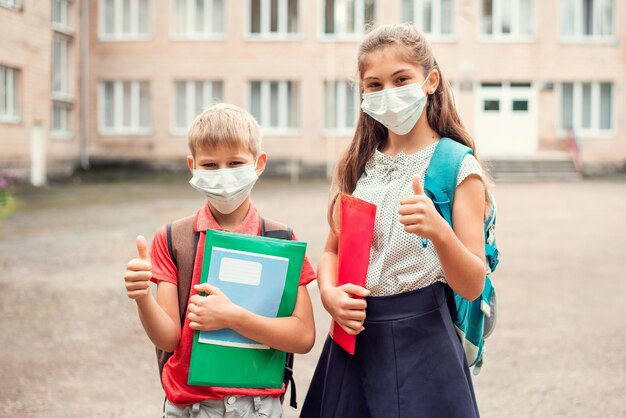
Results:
209 165
234 163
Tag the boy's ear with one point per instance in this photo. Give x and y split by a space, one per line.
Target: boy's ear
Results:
190 163
260 164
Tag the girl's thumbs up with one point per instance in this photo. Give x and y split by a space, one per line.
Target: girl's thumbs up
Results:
417 185
142 248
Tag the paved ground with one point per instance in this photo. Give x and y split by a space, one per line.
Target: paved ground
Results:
71 345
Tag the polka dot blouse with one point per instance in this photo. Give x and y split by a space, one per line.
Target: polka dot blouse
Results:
398 263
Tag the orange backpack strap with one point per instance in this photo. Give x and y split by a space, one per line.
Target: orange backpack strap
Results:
182 245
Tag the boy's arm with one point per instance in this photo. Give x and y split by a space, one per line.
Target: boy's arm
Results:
294 334
159 317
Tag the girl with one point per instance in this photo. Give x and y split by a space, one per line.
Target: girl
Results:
409 361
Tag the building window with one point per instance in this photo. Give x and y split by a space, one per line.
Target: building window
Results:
11 4
9 95
434 17
198 19
347 18
61 68
341 107
276 105
587 20
124 19
190 98
61 120
61 15
510 20
273 18
125 108
587 108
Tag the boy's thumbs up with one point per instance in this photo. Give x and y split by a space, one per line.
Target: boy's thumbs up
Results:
142 248
417 185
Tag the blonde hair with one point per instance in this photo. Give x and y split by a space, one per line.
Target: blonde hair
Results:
225 124
370 134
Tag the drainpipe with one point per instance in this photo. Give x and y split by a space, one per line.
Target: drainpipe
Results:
84 84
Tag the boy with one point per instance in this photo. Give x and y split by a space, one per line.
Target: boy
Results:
225 161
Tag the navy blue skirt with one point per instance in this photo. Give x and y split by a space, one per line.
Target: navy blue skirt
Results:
408 363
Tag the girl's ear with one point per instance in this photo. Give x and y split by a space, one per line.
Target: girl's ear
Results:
260 163
190 163
433 82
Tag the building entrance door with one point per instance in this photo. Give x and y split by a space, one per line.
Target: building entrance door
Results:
506 119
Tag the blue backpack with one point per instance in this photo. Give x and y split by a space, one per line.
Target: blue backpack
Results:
474 320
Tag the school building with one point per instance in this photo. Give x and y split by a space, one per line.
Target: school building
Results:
95 81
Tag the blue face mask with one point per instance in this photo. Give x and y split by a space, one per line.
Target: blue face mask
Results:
398 108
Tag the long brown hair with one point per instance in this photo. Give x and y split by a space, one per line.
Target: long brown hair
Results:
370 134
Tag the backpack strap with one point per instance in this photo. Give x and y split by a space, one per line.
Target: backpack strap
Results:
273 229
442 174
182 245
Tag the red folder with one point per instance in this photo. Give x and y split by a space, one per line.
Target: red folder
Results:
355 241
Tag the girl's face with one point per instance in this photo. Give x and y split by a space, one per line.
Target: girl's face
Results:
389 68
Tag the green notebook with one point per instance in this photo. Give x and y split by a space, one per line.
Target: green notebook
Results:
262 275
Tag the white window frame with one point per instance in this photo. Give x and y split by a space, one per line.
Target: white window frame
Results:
435 34
118 109
283 22
190 105
594 132
12 4
339 106
10 91
118 34
515 35
209 33
63 132
65 93
579 36
342 35
65 24
283 128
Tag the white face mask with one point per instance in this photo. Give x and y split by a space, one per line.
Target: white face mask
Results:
225 189
398 108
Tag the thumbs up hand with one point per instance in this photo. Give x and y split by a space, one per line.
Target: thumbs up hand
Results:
418 213
139 272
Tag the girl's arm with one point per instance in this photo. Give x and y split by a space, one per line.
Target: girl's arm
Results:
461 251
338 301
159 317
294 334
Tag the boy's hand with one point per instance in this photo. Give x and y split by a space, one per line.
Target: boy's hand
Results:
139 272
418 213
348 311
211 312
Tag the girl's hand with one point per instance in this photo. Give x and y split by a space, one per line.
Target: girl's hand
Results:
139 272
211 312
419 215
349 312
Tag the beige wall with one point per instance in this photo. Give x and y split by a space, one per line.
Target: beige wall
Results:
26 43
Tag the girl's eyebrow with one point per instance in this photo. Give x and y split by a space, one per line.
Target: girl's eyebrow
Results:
376 78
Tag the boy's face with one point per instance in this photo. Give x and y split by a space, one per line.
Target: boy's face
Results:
221 157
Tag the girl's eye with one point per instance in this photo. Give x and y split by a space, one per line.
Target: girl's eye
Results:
373 85
401 80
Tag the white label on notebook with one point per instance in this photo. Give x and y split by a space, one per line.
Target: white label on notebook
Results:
240 271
